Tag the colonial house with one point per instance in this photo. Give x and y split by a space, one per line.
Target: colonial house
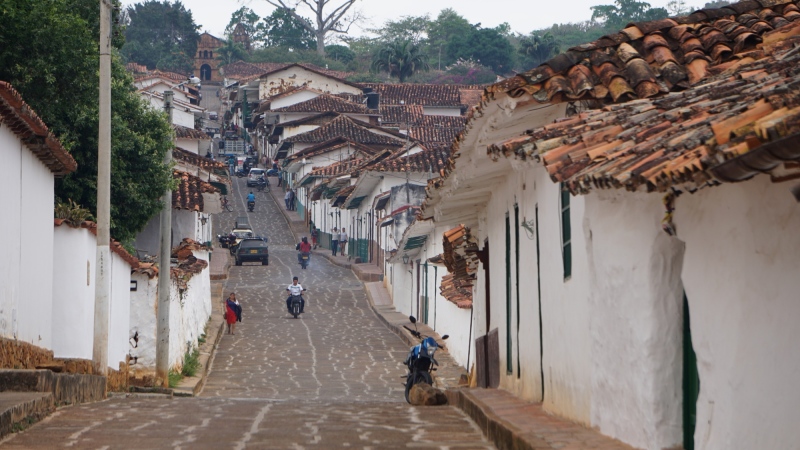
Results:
158 81
192 140
624 217
278 80
32 158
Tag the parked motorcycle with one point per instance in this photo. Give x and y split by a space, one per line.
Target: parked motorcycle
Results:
226 240
241 173
251 205
420 361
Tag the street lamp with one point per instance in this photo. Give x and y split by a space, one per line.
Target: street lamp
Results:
405 258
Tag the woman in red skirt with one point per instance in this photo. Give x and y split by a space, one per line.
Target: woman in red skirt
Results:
233 313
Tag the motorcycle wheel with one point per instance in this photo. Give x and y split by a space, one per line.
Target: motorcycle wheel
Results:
414 379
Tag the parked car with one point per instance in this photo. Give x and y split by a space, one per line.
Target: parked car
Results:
240 234
252 250
273 173
242 222
212 115
253 176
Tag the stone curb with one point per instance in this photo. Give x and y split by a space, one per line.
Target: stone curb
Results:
501 433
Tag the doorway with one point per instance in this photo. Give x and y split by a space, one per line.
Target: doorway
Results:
691 381
205 72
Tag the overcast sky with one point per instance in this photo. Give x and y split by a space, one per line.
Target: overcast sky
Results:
523 15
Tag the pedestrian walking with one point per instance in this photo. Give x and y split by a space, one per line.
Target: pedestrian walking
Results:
343 241
334 240
232 165
291 200
287 199
233 312
314 236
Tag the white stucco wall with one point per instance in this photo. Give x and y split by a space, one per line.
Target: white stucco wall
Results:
73 292
11 150
636 304
441 111
298 76
189 313
293 99
193 145
740 273
25 266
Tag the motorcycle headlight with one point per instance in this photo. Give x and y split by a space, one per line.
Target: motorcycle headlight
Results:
431 351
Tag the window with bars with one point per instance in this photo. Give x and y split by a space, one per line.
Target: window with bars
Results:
566 233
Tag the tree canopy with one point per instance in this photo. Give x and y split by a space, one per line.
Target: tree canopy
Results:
250 22
161 35
484 45
284 29
328 17
50 55
400 59
623 12
230 52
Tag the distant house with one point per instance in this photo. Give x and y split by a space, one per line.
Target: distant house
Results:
32 158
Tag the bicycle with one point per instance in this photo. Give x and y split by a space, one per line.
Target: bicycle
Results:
226 205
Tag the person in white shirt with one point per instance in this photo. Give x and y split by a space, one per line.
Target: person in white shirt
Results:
295 289
342 241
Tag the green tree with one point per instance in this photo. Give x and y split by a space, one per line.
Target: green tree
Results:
340 53
623 12
407 28
716 4
250 22
538 48
447 26
326 21
284 29
161 35
230 52
49 53
486 46
400 59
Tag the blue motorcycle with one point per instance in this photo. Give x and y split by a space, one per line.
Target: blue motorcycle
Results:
420 361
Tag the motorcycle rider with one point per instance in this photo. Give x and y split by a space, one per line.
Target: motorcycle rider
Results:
251 199
295 289
304 247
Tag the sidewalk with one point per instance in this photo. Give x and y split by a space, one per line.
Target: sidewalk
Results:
507 421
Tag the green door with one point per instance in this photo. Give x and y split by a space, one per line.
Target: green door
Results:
691 381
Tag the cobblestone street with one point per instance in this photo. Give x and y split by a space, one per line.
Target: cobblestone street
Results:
330 379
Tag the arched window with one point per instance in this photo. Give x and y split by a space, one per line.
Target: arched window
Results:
205 54
211 54
199 54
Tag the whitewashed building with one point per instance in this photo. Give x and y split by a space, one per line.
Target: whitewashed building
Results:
32 158
663 317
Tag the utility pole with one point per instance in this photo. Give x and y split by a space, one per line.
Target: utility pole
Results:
164 258
102 291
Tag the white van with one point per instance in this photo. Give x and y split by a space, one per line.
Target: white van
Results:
254 175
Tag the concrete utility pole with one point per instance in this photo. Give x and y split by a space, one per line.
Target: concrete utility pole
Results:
102 293
164 258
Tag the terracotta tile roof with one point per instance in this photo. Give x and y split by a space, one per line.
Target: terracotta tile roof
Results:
318 119
331 145
651 58
26 124
273 67
240 69
733 126
426 161
457 291
471 96
349 128
400 114
459 256
188 264
189 133
190 190
438 129
136 68
115 246
197 160
418 94
326 103
337 169
160 74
